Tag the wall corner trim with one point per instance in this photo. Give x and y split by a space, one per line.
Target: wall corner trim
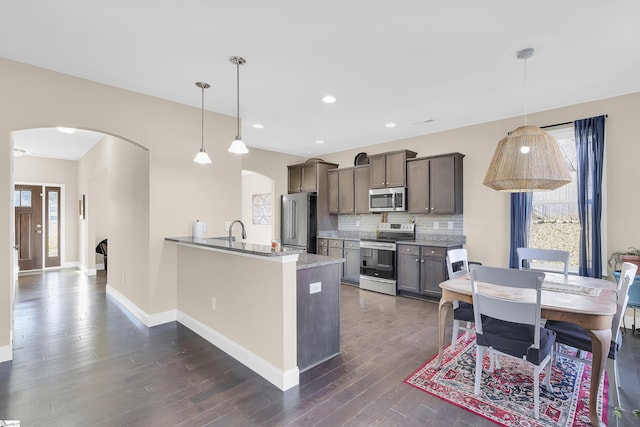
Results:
149 320
6 353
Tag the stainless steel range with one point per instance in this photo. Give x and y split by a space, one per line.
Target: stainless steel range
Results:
378 257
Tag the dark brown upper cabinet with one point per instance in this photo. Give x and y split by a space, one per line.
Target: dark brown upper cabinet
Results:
434 184
389 169
349 190
306 177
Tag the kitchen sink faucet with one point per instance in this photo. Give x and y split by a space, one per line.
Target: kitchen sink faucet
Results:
244 233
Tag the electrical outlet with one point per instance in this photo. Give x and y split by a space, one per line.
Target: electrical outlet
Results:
357 223
213 304
450 225
315 287
436 226
122 278
227 224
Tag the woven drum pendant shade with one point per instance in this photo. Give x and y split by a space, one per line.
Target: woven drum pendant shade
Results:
528 159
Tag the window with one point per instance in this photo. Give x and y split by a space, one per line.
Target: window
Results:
554 218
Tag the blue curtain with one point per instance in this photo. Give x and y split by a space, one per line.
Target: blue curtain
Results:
589 135
520 221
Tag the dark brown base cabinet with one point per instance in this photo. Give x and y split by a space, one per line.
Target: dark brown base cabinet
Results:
351 267
421 269
347 249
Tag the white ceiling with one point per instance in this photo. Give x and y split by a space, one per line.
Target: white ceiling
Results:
406 62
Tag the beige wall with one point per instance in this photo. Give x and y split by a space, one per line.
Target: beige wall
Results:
255 300
40 170
114 176
255 184
179 190
486 212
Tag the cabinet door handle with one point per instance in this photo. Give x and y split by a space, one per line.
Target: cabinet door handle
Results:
416 259
422 261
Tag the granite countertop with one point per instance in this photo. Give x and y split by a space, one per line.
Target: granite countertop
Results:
437 240
224 244
306 261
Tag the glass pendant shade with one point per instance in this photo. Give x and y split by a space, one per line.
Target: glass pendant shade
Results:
238 147
528 159
202 157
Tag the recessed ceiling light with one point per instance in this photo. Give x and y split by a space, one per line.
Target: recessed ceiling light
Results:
390 125
258 126
319 141
65 130
329 99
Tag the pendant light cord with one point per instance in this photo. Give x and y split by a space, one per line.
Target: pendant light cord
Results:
238 96
525 91
202 121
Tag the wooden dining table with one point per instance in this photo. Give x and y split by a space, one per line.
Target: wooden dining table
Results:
586 301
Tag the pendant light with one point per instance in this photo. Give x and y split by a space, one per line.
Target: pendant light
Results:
202 157
527 159
238 146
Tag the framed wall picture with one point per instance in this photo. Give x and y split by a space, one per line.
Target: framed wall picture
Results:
262 207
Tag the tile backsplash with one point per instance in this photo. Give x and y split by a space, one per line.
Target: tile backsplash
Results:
425 224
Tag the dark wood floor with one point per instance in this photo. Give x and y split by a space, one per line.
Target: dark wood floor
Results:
81 360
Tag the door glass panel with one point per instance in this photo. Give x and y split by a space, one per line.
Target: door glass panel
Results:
16 198
25 198
52 224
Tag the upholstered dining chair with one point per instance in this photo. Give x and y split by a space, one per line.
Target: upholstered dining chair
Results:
575 336
457 265
634 304
510 326
536 254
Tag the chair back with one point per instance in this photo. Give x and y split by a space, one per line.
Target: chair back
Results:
499 302
535 254
456 256
627 275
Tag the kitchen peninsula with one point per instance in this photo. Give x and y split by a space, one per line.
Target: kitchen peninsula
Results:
277 312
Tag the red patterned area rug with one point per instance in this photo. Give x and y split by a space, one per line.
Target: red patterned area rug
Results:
506 395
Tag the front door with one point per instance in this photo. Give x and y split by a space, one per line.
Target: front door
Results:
28 226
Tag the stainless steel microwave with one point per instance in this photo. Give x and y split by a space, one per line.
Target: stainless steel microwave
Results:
388 199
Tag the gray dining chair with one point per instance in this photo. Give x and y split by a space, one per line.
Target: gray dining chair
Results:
458 265
575 336
511 326
536 254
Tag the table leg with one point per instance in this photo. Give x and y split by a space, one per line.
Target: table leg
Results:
600 342
443 309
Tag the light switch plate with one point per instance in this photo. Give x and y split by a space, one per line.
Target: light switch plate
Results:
450 225
227 224
315 287
436 225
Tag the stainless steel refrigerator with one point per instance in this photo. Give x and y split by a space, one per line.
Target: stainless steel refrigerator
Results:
299 221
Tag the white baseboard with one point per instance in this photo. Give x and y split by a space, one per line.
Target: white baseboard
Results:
100 266
6 353
71 264
148 320
284 380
